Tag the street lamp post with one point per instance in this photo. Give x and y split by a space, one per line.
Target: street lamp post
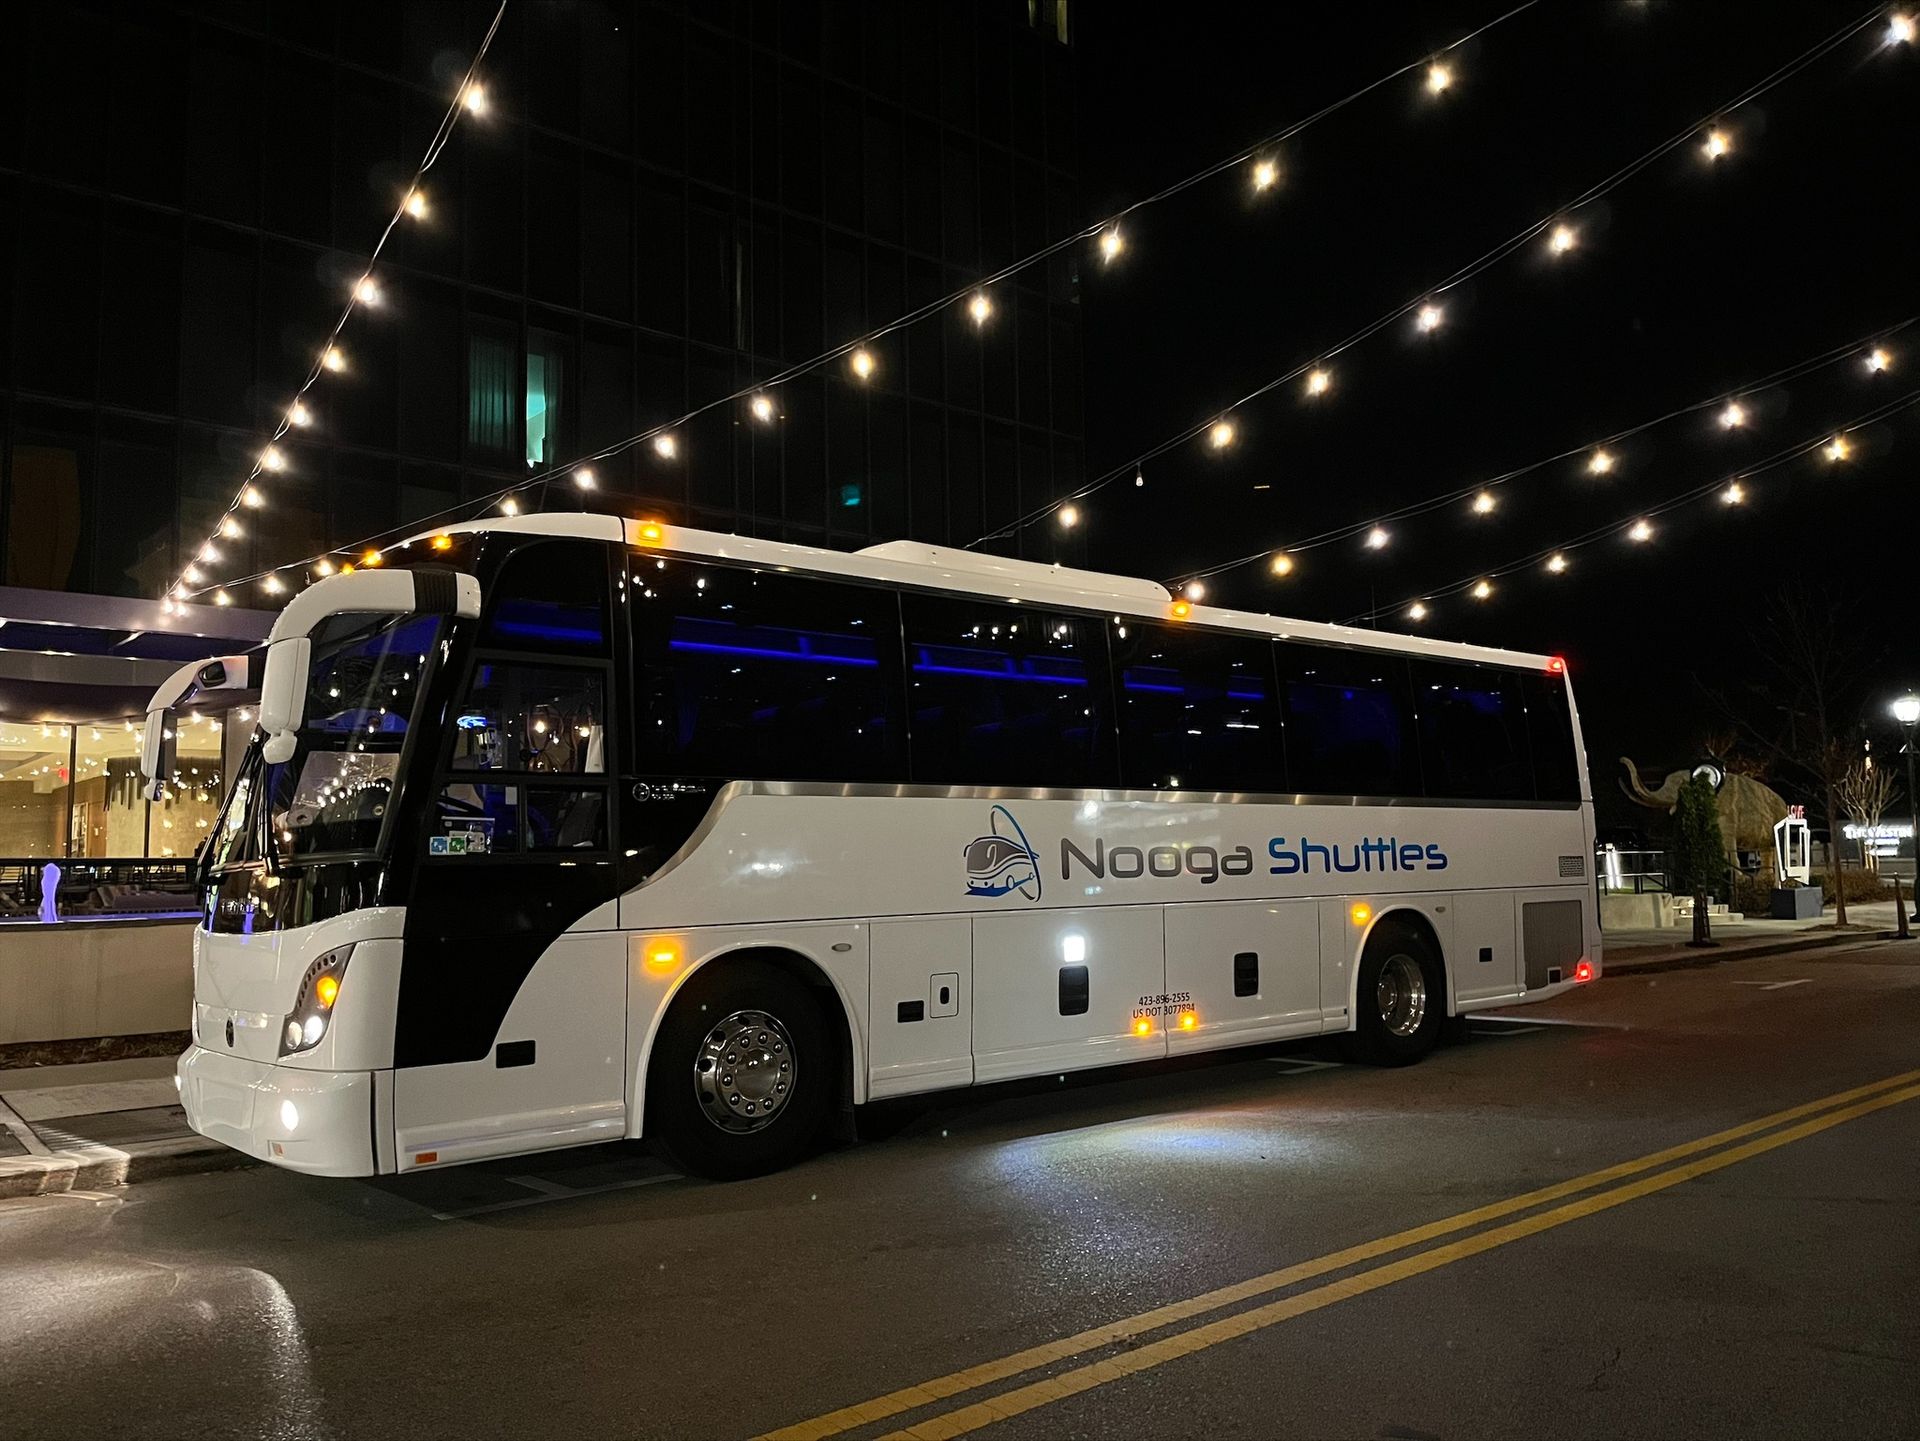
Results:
1906 710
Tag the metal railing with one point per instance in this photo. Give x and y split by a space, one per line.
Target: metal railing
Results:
1630 872
104 887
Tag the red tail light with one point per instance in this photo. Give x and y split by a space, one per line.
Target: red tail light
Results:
1583 971
1557 665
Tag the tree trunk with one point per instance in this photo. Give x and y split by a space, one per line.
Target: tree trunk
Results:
1702 928
1836 859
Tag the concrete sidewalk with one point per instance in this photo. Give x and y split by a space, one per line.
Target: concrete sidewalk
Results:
105 1123
1667 948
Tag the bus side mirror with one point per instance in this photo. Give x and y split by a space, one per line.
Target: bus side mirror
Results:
283 694
156 752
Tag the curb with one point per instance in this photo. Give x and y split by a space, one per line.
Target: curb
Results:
1701 959
93 1168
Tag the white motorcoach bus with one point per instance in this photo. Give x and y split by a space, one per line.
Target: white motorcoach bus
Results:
557 830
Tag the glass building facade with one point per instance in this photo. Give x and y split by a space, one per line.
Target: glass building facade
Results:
663 203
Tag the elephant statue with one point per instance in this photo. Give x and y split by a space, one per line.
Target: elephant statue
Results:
1748 808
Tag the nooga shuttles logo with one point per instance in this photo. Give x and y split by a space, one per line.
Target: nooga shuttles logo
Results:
1001 861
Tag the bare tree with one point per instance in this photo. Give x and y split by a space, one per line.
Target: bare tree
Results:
1800 707
1866 791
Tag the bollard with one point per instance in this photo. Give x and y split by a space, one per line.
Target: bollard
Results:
1900 911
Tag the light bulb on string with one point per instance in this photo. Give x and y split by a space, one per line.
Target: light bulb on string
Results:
1068 516
1878 360
1562 239
298 415
1439 78
762 409
1265 174
1901 29
979 308
1139 478
1482 589
253 498
1376 538
1484 503
273 459
862 363
366 291
323 567
229 527
1734 494
1837 449
1600 463
220 597
1417 611
416 203
1319 382
1734 416
272 585
208 555
1556 564
665 446
583 478
1111 244
1640 532
510 506
332 359
474 98
1281 565
1716 144
1429 318
1195 590
1220 434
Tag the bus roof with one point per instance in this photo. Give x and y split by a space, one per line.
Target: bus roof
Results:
903 562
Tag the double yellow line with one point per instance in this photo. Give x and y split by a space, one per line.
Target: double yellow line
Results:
1713 1153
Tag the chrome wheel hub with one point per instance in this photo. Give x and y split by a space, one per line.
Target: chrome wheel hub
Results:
744 1072
1402 995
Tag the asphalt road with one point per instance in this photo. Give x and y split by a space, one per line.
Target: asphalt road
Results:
1755 1284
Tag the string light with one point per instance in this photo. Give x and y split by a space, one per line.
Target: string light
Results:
1901 29
333 360
191 575
416 205
510 506
1484 503
367 291
208 555
272 585
1429 318
229 527
1069 517
1556 564
1319 382
1439 78
1734 416
1196 590
1734 494
1265 174
665 446
1878 360
220 597
762 409
1837 449
979 308
1417 611
474 98
1562 239
323 567
1716 144
271 459
1640 531
1376 539
583 478
1221 435
1600 463
299 415
1281 564
371 559
1139 478
1111 244
862 363
1482 590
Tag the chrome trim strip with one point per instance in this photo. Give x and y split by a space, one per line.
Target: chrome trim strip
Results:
877 789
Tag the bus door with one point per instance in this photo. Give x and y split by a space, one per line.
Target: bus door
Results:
511 1032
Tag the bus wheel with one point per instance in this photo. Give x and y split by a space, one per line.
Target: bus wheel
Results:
1402 999
742 1072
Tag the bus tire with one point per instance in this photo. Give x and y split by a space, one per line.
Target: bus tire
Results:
742 1074
1401 1001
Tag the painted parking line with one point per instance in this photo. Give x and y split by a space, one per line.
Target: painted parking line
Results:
942 1388
545 1191
1776 985
1199 1338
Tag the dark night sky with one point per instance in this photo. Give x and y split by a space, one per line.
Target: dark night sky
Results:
1689 279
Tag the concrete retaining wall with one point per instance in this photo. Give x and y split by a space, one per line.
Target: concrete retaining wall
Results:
1626 911
95 978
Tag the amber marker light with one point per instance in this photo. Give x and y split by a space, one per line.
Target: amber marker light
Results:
1189 1020
652 532
1361 913
1182 609
1142 1026
325 990
443 542
370 559
662 955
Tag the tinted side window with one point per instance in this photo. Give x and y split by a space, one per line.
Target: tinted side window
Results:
1196 708
1473 732
550 597
1007 695
1556 764
1349 722
748 674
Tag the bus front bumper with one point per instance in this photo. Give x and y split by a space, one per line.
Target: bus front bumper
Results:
320 1122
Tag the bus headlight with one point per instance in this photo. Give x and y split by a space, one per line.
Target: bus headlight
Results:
313 1006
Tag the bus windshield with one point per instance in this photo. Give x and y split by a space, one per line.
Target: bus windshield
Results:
332 797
